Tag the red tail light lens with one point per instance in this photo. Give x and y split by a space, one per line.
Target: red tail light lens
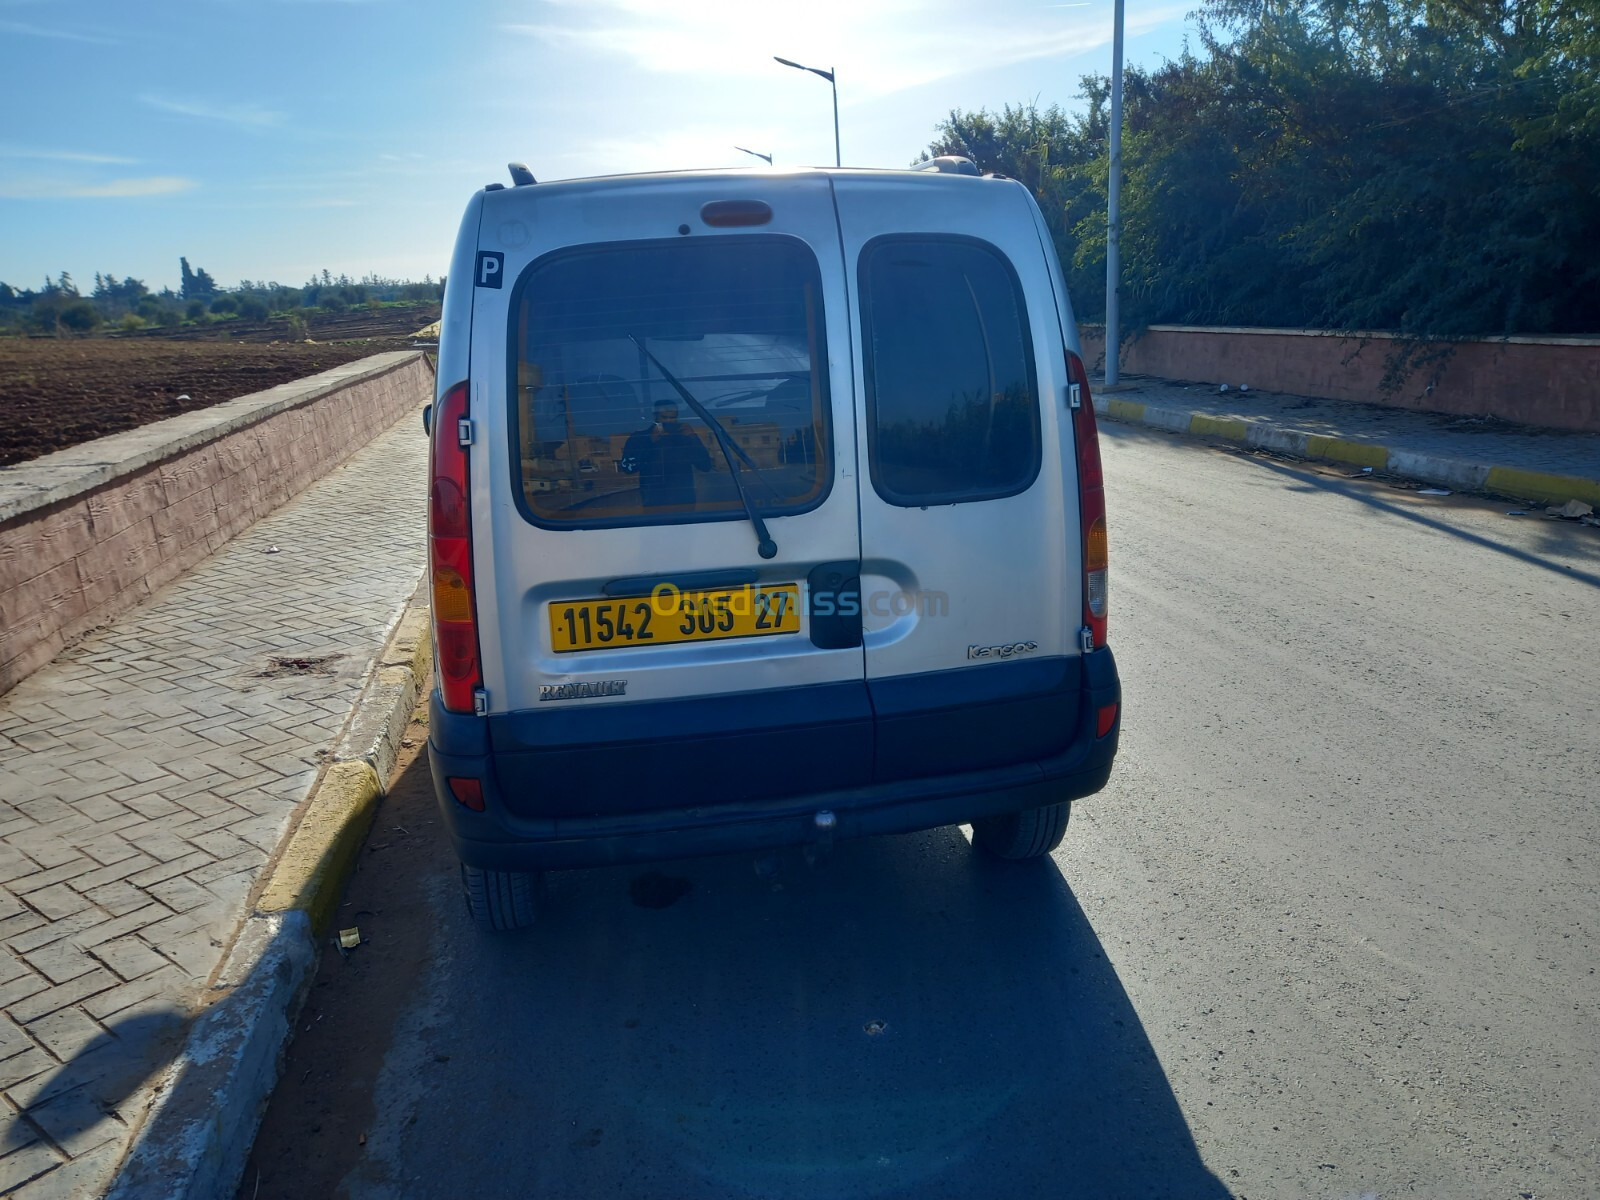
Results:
468 793
455 630
1091 505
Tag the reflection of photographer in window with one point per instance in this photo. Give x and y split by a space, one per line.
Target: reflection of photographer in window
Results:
665 458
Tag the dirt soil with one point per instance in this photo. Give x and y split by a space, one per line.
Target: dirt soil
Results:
58 392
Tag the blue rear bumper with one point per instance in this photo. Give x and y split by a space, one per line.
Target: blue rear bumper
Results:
611 783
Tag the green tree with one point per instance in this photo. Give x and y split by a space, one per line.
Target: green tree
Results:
79 316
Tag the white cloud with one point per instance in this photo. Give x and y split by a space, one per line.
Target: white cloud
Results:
230 114
65 156
59 35
43 188
878 49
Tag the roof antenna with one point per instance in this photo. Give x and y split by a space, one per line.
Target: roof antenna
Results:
520 175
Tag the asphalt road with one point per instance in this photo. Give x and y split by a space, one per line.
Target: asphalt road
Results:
1329 932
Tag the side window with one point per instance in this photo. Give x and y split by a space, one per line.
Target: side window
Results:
952 405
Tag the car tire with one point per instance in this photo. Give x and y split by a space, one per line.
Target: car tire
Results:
500 900
1017 836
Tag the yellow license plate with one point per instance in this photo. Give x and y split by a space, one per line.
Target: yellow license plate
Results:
670 616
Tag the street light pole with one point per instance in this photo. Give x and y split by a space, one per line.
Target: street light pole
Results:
838 159
1114 210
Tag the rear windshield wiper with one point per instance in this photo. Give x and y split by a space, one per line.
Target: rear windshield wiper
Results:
765 546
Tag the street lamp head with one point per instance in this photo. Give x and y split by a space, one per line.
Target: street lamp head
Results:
838 159
828 75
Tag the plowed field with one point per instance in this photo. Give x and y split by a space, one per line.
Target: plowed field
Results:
57 392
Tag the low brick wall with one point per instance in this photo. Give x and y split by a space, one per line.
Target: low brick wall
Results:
89 531
1549 382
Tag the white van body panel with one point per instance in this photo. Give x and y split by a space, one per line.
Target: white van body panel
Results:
455 320
1005 572
533 566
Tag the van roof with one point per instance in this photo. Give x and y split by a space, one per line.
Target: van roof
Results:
933 177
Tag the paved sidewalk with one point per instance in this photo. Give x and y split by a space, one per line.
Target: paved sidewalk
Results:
148 774
1476 454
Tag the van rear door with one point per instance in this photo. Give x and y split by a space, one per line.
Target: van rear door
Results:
657 347
971 556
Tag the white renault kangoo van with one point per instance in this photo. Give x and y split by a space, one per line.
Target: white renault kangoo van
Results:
766 508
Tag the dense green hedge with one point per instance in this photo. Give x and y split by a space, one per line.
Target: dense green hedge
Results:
1425 166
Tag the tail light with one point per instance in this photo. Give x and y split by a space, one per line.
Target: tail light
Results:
1091 504
455 629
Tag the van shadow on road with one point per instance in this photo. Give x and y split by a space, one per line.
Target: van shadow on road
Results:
904 1018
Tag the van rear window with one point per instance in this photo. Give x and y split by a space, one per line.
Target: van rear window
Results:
605 437
951 396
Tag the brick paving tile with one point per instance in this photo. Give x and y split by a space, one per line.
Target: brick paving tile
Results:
108 850
59 874
61 961
66 1033
22 1165
167 985
56 901
247 859
20 923
12 1039
197 826
14 864
232 890
263 831
121 926
99 809
20 1068
220 843
138 767
10 906
48 1001
86 1175
195 951
179 894
119 898
160 844
164 930
44 847
46 932
169 870
12 967
20 988
115 872
149 807
128 957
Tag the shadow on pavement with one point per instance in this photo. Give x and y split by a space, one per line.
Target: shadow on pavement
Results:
907 1018
1305 482
91 1087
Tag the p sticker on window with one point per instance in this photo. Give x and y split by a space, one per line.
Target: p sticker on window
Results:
491 265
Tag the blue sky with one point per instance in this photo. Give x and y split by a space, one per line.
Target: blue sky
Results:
270 139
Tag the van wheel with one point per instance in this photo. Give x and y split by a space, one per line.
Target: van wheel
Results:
500 900
1021 835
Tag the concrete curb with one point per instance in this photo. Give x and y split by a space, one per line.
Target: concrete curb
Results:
1458 474
202 1123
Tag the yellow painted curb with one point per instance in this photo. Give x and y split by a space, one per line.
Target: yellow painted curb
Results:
1222 427
1536 485
1124 410
1358 454
310 873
